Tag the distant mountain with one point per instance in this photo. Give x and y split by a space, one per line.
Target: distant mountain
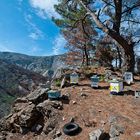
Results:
34 63
15 82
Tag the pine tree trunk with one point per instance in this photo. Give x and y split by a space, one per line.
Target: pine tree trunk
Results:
86 56
119 57
130 58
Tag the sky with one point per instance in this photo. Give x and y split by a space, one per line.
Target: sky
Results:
26 27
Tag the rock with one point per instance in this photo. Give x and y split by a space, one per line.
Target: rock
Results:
74 102
116 130
38 96
36 128
71 119
25 118
47 106
24 130
9 136
116 138
28 116
59 138
58 133
2 137
65 97
45 86
137 134
103 122
63 83
50 126
112 119
21 100
96 135
83 94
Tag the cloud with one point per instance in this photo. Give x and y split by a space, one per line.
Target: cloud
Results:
45 8
35 32
59 44
34 36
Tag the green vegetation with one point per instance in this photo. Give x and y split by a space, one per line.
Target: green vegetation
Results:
58 82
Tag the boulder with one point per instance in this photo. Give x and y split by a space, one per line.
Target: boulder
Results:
137 134
37 128
23 118
47 107
28 116
21 100
116 130
2 137
50 126
96 135
112 120
38 96
115 138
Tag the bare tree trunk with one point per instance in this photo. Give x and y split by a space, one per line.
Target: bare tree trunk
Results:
119 57
86 56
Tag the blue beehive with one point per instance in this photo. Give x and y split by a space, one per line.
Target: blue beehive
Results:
54 94
94 81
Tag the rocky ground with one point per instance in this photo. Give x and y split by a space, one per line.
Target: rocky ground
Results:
95 110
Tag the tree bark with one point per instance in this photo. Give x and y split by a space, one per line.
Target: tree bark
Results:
86 56
119 57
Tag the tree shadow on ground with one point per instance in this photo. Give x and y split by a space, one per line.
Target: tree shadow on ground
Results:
129 92
104 87
83 85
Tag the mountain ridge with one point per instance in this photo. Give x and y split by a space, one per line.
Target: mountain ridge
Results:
39 64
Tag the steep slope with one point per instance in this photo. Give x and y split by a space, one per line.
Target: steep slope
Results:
15 82
33 63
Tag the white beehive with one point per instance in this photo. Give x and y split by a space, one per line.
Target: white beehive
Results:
128 77
137 94
74 78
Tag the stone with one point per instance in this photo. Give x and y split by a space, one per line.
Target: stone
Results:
96 135
63 83
28 116
103 122
115 138
38 96
45 107
59 138
24 130
74 102
21 100
36 128
112 119
71 119
116 130
83 94
137 134
58 133
50 126
2 137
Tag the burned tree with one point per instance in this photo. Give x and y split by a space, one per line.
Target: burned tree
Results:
112 17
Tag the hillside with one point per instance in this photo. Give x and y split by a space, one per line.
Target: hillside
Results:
33 63
15 82
115 117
